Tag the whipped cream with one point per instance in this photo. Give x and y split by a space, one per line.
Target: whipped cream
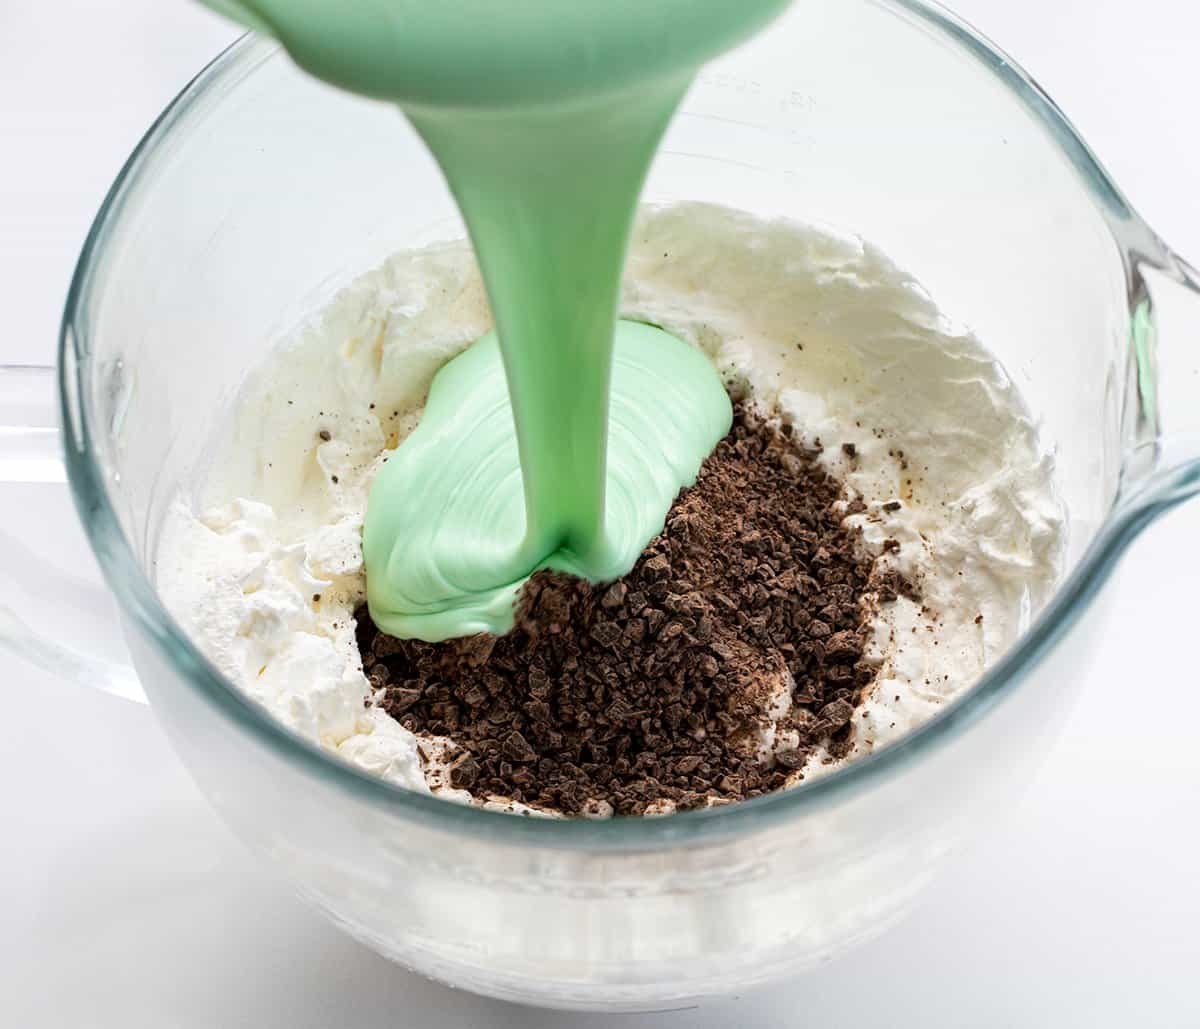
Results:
262 563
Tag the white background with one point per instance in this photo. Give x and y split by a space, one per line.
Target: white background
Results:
124 903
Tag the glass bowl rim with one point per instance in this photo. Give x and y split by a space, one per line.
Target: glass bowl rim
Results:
140 601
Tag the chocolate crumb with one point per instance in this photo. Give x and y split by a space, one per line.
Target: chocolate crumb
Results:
649 694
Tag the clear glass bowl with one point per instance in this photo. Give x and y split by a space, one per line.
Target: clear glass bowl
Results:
259 192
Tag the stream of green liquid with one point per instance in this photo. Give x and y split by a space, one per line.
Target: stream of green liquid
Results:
561 440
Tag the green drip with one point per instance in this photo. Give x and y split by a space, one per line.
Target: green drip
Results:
544 117
446 531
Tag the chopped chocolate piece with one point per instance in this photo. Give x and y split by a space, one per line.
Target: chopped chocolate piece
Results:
464 772
792 759
837 714
401 698
517 748
614 596
843 646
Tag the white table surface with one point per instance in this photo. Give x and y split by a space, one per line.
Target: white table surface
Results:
123 902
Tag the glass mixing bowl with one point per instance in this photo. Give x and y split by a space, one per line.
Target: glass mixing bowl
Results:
259 192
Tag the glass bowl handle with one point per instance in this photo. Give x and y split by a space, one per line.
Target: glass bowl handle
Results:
32 591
